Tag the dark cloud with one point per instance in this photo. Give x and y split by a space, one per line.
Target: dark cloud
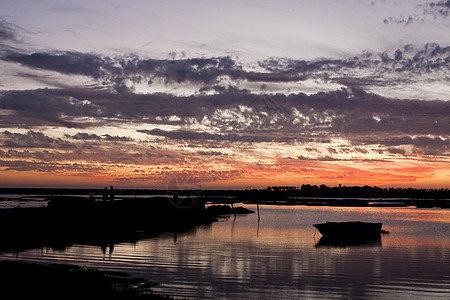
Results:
182 134
321 158
403 20
33 139
358 112
116 138
210 153
201 70
115 70
199 136
370 68
49 167
396 151
352 113
84 136
92 136
101 68
8 31
70 63
42 107
97 154
435 10
119 74
420 144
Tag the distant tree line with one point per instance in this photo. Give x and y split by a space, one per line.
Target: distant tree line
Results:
306 190
323 191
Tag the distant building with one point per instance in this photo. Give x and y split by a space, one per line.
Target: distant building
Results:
281 188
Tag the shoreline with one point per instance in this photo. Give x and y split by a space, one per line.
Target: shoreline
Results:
22 199
24 279
358 196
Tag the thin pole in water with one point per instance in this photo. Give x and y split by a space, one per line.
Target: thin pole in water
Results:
257 207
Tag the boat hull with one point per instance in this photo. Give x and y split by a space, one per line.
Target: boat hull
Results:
348 229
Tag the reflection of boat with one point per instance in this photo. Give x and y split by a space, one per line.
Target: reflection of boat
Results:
372 240
348 229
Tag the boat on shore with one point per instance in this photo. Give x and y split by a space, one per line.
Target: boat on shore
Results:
349 229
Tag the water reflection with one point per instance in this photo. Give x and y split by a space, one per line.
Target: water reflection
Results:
367 241
278 257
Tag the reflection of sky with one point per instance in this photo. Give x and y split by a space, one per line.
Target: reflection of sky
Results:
236 258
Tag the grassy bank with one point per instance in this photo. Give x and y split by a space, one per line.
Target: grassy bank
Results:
20 279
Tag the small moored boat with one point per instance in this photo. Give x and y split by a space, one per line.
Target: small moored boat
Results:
348 229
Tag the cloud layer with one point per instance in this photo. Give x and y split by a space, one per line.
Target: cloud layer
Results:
376 117
400 69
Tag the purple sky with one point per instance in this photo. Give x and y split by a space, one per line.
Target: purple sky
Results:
224 93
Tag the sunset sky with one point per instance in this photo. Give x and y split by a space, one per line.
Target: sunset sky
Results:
224 94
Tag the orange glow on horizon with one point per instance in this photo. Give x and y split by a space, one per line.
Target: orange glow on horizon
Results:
238 176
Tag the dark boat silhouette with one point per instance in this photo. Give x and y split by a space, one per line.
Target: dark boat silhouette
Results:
354 229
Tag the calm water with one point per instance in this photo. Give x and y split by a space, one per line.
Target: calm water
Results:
279 257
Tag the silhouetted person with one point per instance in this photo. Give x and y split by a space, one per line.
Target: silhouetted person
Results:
103 248
112 193
105 194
